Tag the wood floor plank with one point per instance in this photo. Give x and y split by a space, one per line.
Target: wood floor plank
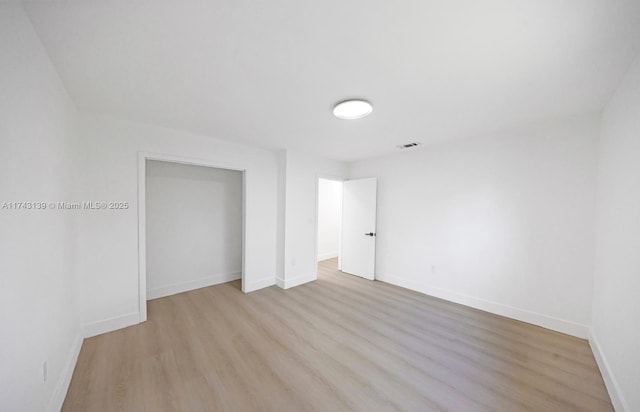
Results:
342 344
538 362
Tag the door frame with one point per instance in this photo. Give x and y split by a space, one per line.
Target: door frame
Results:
142 214
334 178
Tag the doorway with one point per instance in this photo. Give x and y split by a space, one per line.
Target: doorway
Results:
191 225
329 221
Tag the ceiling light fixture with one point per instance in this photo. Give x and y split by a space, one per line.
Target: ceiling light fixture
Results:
352 109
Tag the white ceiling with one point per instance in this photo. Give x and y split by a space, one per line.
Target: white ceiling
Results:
269 72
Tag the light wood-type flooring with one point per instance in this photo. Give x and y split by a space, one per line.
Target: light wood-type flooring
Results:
338 344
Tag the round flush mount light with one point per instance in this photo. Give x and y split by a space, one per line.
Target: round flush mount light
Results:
352 109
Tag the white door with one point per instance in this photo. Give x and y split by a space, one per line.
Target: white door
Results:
359 227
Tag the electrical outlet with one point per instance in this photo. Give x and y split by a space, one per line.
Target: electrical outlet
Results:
44 371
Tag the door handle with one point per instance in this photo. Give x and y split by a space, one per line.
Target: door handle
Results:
370 234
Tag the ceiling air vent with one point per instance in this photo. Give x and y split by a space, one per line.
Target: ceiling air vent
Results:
408 145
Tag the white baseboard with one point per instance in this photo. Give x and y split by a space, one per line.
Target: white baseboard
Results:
549 322
299 280
258 284
619 403
296 281
191 285
328 255
60 392
109 325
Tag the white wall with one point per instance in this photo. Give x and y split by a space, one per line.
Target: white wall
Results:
616 303
38 311
193 226
108 240
501 223
300 210
329 218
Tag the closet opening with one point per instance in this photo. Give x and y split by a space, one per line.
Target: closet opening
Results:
191 227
